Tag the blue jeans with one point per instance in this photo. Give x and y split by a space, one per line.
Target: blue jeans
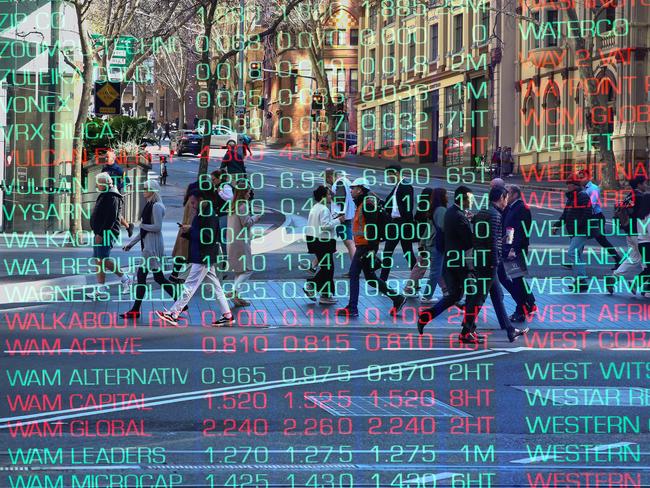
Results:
576 248
365 260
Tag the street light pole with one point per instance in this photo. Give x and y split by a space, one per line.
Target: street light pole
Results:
241 98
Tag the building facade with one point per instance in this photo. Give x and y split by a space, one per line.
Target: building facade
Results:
555 99
39 96
424 82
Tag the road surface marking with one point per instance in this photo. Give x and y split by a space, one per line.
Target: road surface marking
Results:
235 389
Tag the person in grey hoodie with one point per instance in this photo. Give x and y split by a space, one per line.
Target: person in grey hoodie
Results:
105 224
153 247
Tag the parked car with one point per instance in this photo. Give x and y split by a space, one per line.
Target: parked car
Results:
350 138
186 141
222 135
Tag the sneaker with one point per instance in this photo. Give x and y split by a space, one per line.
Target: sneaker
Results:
347 311
98 293
129 229
309 291
327 301
224 321
427 300
409 291
167 316
470 338
398 303
126 284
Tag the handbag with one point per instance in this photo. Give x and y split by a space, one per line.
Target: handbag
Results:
515 268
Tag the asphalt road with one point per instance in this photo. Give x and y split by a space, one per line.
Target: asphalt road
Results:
319 403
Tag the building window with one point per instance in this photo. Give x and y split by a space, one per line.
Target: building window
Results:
407 119
354 37
433 36
372 18
454 115
372 66
340 81
485 20
387 125
368 125
534 42
552 110
458 33
293 81
412 47
529 119
354 80
391 63
552 18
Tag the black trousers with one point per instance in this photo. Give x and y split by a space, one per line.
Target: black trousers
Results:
518 291
455 281
365 260
159 277
603 241
324 278
405 239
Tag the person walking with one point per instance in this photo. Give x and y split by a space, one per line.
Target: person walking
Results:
233 162
159 134
343 204
400 203
222 196
597 223
238 237
180 252
627 216
575 219
459 257
152 246
517 219
246 147
429 219
167 134
321 241
105 224
116 172
204 250
487 243
366 232
163 170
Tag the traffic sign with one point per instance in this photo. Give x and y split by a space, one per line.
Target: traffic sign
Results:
107 98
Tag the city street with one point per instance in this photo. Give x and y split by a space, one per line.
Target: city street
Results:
293 396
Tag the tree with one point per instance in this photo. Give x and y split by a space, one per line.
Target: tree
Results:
316 17
208 11
174 69
112 19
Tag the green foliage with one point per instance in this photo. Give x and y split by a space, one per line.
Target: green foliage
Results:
116 130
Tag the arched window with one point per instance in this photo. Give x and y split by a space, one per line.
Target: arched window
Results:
530 117
552 110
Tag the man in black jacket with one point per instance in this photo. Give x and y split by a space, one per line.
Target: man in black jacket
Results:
516 219
487 241
400 205
458 255
575 219
105 224
116 172
367 234
204 250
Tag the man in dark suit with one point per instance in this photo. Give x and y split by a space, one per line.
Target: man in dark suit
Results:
399 205
458 255
517 217
487 242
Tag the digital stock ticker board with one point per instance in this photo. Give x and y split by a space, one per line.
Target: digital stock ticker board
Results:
324 243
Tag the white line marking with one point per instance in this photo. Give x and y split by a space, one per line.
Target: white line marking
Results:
231 390
604 447
533 459
524 348
311 349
